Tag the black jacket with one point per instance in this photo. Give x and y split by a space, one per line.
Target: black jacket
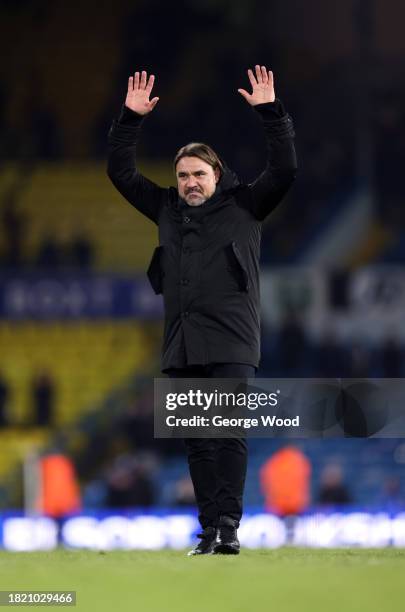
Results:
207 264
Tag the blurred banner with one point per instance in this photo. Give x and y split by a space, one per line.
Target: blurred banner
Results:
368 302
66 296
154 531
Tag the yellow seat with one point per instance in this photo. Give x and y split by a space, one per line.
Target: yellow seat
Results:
96 358
66 199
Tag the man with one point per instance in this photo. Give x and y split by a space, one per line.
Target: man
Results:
207 267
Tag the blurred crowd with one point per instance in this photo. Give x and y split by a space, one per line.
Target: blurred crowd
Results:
290 351
75 253
42 401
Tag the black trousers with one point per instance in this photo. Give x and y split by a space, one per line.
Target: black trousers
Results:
217 465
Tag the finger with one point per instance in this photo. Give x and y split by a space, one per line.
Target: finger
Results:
142 84
136 80
252 79
130 84
153 103
271 78
149 85
264 74
245 94
258 74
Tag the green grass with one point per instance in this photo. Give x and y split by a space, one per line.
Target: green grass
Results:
287 579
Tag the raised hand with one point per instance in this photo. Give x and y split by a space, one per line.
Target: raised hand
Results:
262 83
139 90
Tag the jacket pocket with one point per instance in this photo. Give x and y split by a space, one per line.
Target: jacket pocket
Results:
155 271
238 267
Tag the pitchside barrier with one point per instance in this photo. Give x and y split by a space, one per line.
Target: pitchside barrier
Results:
156 530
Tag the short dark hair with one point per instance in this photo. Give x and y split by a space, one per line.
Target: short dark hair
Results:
201 150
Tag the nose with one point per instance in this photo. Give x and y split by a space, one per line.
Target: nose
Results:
191 181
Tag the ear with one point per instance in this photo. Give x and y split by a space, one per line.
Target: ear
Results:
217 174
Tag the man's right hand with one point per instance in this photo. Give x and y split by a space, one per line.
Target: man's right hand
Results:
139 90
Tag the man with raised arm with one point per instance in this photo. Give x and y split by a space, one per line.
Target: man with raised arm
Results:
207 268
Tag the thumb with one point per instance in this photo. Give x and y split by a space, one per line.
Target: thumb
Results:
153 103
245 94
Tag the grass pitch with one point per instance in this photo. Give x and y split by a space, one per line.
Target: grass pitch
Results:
287 579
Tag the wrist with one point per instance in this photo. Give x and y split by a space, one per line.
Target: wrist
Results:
129 117
270 110
135 112
264 102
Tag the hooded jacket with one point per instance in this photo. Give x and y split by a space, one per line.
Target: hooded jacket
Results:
207 262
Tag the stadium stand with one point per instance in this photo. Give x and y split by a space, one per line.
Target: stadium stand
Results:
66 200
86 361
109 351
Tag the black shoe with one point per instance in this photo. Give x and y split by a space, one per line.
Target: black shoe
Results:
206 545
227 541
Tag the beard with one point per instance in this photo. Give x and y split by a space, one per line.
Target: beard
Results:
195 198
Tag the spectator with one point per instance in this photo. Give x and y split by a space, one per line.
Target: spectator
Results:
59 494
137 421
333 491
292 345
391 357
183 492
392 493
43 394
285 481
4 397
81 252
360 361
129 484
49 254
14 224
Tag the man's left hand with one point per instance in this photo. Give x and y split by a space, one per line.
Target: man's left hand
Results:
262 84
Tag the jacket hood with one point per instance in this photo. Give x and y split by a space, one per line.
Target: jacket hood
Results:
228 180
